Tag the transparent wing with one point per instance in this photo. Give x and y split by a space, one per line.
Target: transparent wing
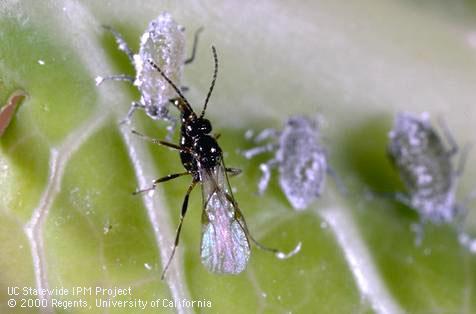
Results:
224 248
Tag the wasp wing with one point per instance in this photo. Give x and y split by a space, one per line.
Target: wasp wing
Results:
224 248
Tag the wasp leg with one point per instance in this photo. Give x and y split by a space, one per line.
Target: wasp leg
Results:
242 222
266 169
179 228
117 77
160 180
195 43
121 43
233 171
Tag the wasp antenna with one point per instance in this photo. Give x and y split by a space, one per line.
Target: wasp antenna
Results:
215 58
177 90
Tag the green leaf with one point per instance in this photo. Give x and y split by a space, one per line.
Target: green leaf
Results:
68 169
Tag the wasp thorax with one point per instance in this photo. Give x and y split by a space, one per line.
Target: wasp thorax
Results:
208 151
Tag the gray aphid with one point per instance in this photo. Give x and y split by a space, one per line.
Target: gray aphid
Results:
425 167
299 157
164 43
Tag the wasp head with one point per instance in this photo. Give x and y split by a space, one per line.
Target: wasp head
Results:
198 127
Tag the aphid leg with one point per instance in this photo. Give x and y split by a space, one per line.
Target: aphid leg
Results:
267 134
171 127
402 199
415 227
419 233
119 77
121 43
462 160
161 113
134 106
217 136
170 131
449 137
467 241
163 179
396 197
250 153
460 212
160 142
464 205
279 254
464 238
393 196
339 183
266 169
179 228
194 47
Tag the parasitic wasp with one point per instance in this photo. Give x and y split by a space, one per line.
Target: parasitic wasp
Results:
225 242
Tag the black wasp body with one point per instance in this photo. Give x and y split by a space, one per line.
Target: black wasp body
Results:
199 148
224 247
